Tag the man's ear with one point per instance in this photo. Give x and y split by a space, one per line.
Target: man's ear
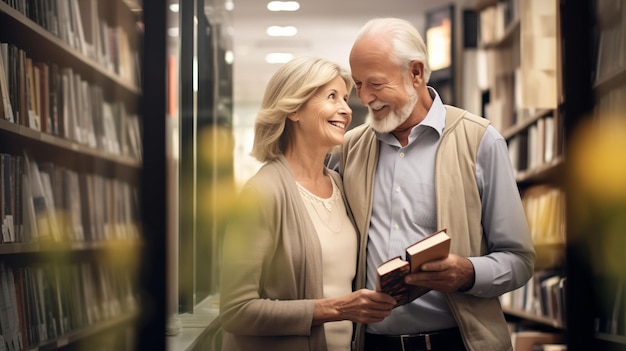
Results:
417 70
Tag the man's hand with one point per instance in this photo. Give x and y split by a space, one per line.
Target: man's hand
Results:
455 273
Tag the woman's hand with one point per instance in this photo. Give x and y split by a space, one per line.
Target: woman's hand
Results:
362 306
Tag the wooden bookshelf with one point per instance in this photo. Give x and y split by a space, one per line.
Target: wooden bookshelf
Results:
72 238
546 172
510 33
606 317
535 319
40 43
535 136
127 247
612 338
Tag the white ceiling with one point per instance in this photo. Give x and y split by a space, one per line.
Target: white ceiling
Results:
326 28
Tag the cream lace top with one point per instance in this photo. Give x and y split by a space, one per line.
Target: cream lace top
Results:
338 240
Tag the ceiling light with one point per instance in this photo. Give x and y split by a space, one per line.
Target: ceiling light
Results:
174 7
278 31
172 32
229 57
283 6
229 5
278 57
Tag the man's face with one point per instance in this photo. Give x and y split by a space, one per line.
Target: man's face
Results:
395 117
381 85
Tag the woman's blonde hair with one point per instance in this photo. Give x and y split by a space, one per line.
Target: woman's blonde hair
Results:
289 88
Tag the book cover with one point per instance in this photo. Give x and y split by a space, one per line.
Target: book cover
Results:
391 273
8 163
43 96
6 110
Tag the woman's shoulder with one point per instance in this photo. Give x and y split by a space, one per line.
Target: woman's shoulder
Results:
336 177
271 177
264 190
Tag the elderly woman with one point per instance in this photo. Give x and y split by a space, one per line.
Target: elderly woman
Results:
291 250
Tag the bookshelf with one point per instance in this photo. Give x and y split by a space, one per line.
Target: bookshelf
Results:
595 138
72 243
610 58
519 74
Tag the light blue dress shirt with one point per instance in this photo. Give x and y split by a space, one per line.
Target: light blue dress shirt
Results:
404 211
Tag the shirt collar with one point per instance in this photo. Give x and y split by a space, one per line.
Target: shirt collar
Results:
436 116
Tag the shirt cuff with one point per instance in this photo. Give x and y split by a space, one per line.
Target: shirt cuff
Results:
482 281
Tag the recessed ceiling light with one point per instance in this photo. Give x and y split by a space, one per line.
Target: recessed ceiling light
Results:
229 57
174 7
278 57
229 5
278 31
172 32
283 6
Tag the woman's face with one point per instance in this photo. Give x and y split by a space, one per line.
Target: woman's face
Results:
326 116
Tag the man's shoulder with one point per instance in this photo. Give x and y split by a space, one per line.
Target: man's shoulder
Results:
466 127
457 116
358 142
359 137
358 131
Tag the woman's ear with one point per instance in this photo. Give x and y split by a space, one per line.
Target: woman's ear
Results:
293 116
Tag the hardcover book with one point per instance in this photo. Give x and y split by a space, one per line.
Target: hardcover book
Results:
391 273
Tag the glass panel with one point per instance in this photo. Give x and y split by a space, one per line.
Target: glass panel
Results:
206 144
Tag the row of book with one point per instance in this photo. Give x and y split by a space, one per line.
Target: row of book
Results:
79 24
609 288
504 108
39 303
50 203
544 206
540 143
496 19
610 305
519 52
56 100
543 296
545 209
540 54
511 99
611 38
613 102
497 64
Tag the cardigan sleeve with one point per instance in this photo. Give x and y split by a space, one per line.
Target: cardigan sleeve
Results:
259 293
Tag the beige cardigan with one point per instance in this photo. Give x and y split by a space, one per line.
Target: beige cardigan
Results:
481 320
272 267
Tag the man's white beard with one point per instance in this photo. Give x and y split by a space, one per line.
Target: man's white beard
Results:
394 118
